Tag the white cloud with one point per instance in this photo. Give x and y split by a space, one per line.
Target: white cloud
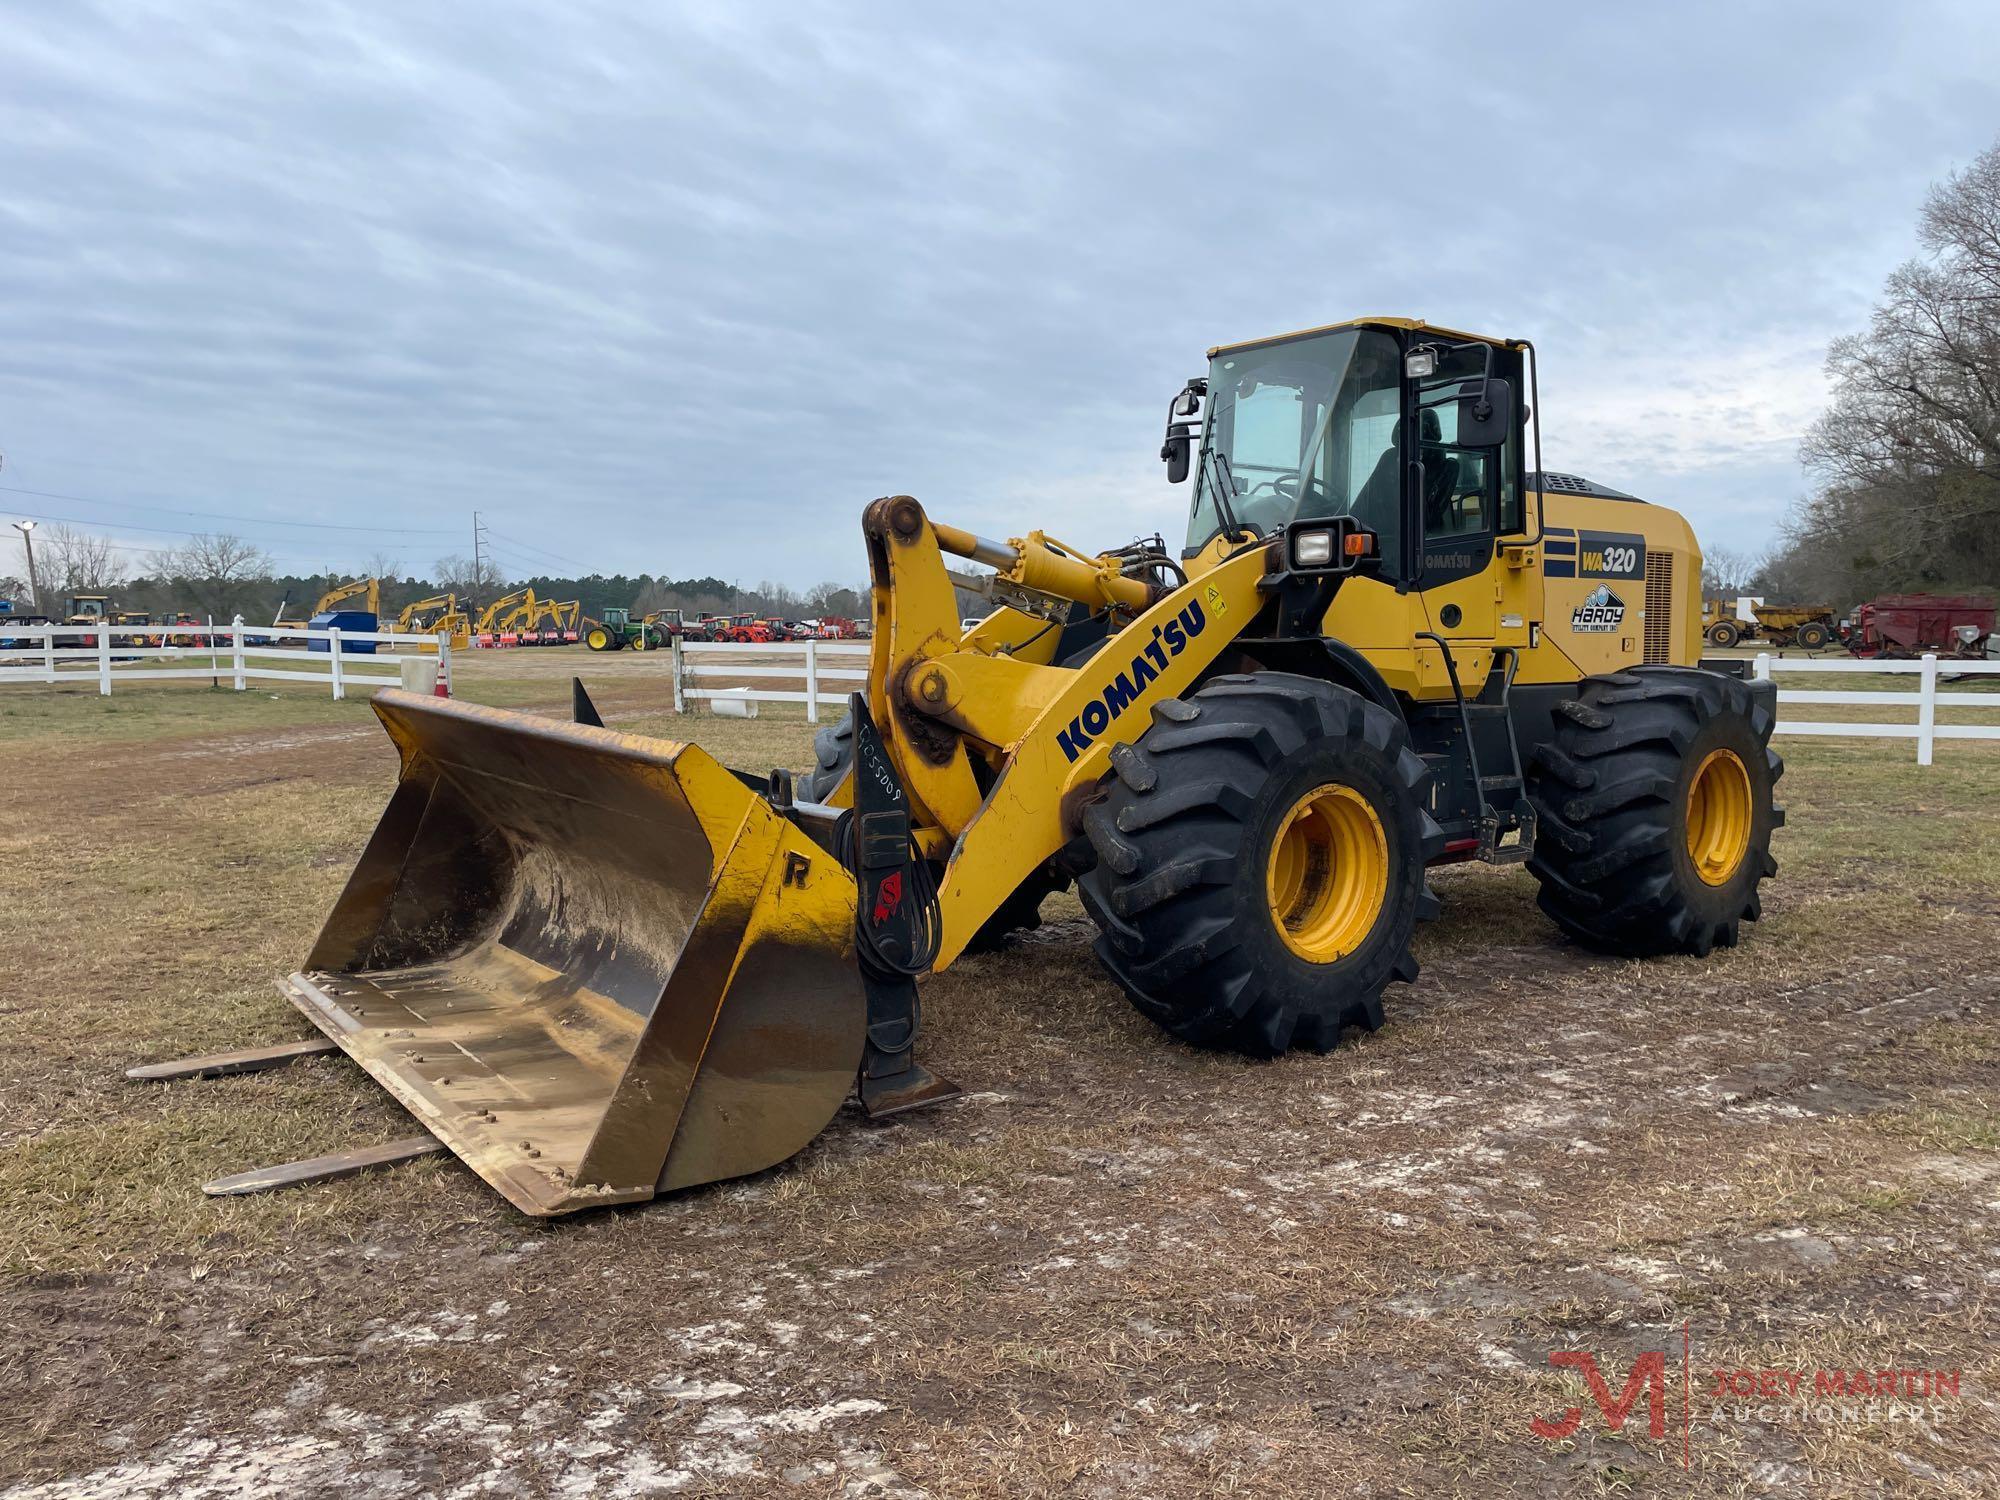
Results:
680 289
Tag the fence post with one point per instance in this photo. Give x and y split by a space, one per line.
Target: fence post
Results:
1927 710
1761 670
49 651
679 666
236 649
103 659
812 682
333 659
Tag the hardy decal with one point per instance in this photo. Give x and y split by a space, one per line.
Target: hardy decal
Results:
1169 640
1600 614
1610 554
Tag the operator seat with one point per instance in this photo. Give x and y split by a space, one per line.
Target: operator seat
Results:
1378 502
1440 469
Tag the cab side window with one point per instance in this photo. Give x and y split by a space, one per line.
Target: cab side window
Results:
1459 489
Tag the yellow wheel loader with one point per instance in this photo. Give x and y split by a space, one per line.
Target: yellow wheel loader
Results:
598 966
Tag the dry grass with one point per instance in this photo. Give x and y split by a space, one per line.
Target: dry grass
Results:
1121 1267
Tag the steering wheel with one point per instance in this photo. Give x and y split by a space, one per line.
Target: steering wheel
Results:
1284 486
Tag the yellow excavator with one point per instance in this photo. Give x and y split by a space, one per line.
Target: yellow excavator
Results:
599 966
437 615
555 622
368 589
506 617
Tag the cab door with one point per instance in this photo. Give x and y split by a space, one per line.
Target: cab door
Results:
1456 506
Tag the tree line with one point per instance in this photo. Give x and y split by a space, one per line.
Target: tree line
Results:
1905 461
219 576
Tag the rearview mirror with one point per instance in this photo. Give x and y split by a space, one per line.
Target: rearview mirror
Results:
1485 417
1176 452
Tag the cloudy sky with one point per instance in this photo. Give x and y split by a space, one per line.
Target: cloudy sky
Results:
679 288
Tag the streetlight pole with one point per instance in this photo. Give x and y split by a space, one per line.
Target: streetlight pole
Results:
26 528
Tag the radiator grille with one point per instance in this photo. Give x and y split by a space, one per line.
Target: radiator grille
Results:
1659 608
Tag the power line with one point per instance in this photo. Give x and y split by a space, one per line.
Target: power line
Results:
291 549
294 547
119 525
216 515
542 551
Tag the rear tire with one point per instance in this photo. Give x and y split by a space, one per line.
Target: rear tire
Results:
1654 810
1205 917
1814 635
597 638
1724 633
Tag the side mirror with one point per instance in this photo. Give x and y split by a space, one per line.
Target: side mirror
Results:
1486 417
1177 452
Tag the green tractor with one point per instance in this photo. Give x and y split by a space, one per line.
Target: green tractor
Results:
617 630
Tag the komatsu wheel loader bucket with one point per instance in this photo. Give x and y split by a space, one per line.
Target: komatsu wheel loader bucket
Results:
595 965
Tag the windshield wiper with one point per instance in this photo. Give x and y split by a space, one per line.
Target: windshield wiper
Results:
1218 462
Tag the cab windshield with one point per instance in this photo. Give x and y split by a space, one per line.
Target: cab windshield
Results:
1305 429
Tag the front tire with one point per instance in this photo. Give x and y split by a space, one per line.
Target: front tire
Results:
1260 863
1654 810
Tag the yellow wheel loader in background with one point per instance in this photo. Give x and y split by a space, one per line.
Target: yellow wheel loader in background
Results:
598 966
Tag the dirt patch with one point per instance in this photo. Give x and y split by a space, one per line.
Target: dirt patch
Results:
1118 1267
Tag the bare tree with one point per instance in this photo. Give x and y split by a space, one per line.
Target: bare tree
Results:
219 573
458 575
13 590
78 563
1908 453
1726 571
836 599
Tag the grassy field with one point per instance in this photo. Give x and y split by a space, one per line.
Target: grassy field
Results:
1119 1267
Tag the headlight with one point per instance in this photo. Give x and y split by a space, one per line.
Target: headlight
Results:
1312 549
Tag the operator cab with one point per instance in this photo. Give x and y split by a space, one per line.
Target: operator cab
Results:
1414 431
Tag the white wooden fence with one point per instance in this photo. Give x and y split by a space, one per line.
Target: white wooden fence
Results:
802 662
805 665
241 653
1927 699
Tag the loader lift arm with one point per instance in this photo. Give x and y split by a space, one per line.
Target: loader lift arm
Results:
999 752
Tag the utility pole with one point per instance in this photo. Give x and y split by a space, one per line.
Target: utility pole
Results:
27 528
478 546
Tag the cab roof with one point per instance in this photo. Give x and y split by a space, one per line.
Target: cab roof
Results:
1406 324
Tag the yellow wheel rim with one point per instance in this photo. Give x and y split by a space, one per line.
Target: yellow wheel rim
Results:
598 640
1718 816
1328 873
